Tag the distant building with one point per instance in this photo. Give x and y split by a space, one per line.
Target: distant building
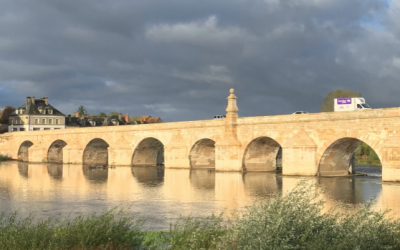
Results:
96 121
146 120
4 115
36 114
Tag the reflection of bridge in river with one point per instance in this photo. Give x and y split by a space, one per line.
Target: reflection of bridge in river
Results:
306 145
233 190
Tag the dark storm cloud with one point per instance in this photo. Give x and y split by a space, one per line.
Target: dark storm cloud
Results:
177 59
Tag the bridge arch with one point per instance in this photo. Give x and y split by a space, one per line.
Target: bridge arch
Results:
55 152
96 153
23 151
202 154
149 152
338 158
262 154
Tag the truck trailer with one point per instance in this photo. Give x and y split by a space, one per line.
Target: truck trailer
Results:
350 104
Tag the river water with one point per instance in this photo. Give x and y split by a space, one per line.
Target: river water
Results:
161 196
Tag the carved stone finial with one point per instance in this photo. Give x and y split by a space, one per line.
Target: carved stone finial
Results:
232 107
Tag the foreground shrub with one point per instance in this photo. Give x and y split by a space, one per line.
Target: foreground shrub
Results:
297 221
191 233
109 230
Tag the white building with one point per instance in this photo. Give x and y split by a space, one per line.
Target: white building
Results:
36 114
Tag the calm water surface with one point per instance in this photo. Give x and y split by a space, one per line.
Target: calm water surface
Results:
161 196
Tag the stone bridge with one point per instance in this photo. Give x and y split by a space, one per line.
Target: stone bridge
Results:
307 144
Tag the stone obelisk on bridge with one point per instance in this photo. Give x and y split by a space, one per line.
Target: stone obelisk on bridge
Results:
228 149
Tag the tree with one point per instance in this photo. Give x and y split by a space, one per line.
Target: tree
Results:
114 113
102 114
136 118
81 110
327 105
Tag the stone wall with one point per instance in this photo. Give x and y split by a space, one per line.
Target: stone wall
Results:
311 144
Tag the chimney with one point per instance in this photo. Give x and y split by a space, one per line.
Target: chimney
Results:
120 117
33 99
126 117
46 100
76 114
28 99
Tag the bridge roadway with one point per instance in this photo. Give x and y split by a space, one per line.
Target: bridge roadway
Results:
307 144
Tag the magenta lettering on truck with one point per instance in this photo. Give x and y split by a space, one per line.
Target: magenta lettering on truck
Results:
350 104
340 101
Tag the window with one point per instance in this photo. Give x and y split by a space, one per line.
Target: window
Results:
43 121
57 121
22 129
46 128
35 129
36 120
50 111
50 121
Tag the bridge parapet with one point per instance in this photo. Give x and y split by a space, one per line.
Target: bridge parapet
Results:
307 144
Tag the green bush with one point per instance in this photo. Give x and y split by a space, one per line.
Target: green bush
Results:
4 158
291 221
297 221
112 229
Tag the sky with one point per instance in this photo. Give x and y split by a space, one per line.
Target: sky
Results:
177 59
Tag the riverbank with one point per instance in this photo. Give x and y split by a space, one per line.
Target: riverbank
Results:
4 158
375 162
295 220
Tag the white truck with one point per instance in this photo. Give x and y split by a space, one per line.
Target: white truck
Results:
350 104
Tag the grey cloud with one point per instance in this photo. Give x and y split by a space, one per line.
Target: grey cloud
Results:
177 59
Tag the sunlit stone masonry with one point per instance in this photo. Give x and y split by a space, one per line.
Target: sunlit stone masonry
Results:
306 144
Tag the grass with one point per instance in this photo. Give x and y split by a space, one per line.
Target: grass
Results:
291 221
368 162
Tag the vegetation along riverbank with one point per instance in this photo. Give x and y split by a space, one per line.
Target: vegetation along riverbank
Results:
291 221
4 158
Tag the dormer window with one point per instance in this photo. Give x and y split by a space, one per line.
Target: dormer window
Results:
50 111
41 110
16 111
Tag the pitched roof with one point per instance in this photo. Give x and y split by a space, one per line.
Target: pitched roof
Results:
31 108
5 112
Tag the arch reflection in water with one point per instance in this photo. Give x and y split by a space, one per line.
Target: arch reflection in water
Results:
202 178
96 174
351 190
55 171
257 184
149 176
23 168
